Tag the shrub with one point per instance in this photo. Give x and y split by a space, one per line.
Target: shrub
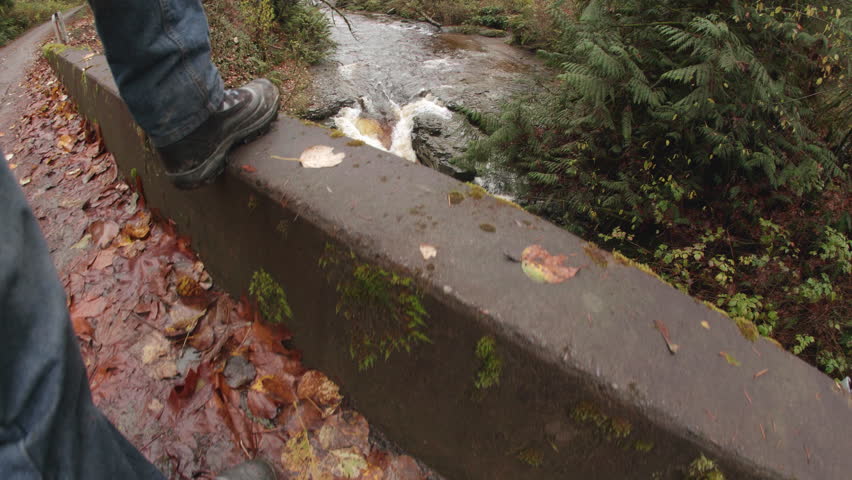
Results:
712 133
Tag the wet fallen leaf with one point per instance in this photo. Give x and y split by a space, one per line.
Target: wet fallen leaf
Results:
730 359
761 373
248 168
155 348
73 172
90 308
10 156
104 259
82 328
428 251
188 287
542 267
103 232
344 430
277 388
183 319
165 369
139 226
25 181
66 142
300 417
664 331
300 460
239 371
705 324
261 405
83 242
321 156
315 386
347 463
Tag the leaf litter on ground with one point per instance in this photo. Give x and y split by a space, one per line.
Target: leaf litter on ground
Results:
145 310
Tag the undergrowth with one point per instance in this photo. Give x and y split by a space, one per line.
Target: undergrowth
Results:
17 16
709 140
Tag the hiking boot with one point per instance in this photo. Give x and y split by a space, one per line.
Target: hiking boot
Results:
253 470
245 114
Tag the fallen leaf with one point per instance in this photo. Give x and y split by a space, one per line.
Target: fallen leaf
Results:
188 287
10 156
300 417
321 156
91 308
82 328
705 324
139 226
25 181
730 359
184 319
103 232
299 458
542 267
73 172
156 348
165 369
315 386
428 251
345 429
347 463
664 331
239 371
66 142
83 242
104 259
261 405
278 389
761 373
248 168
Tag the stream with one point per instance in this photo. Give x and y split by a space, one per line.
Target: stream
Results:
390 82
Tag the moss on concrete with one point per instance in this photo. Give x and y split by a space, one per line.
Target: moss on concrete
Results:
490 364
702 468
384 309
270 297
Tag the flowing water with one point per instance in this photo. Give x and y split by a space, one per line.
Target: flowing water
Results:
393 71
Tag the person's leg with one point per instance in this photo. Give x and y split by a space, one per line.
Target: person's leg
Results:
159 54
49 427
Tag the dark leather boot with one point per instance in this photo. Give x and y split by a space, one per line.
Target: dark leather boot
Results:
199 158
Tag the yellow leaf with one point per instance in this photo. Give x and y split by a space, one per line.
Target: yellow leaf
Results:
819 81
705 324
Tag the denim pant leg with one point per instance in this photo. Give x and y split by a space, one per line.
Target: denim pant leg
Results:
159 54
49 427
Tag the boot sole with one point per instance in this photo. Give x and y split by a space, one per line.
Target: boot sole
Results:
212 168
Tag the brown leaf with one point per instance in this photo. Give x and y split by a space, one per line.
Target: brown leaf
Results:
279 389
261 405
103 232
82 328
542 267
664 331
188 287
104 259
315 386
89 308
345 429
66 142
183 319
139 226
299 417
249 169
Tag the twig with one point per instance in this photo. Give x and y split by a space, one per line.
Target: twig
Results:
748 397
761 373
334 9
664 331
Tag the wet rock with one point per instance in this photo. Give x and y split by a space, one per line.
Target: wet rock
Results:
325 108
239 372
438 142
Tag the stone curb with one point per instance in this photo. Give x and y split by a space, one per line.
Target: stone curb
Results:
509 379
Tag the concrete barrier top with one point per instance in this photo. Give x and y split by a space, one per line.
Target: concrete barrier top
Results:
577 355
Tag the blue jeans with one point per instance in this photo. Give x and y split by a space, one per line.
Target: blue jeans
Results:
49 427
159 54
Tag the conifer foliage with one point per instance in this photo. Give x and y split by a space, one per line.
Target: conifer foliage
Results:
667 104
710 139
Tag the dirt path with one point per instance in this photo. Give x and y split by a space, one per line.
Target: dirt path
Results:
194 378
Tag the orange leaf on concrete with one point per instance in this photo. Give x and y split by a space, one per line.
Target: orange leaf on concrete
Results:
542 267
